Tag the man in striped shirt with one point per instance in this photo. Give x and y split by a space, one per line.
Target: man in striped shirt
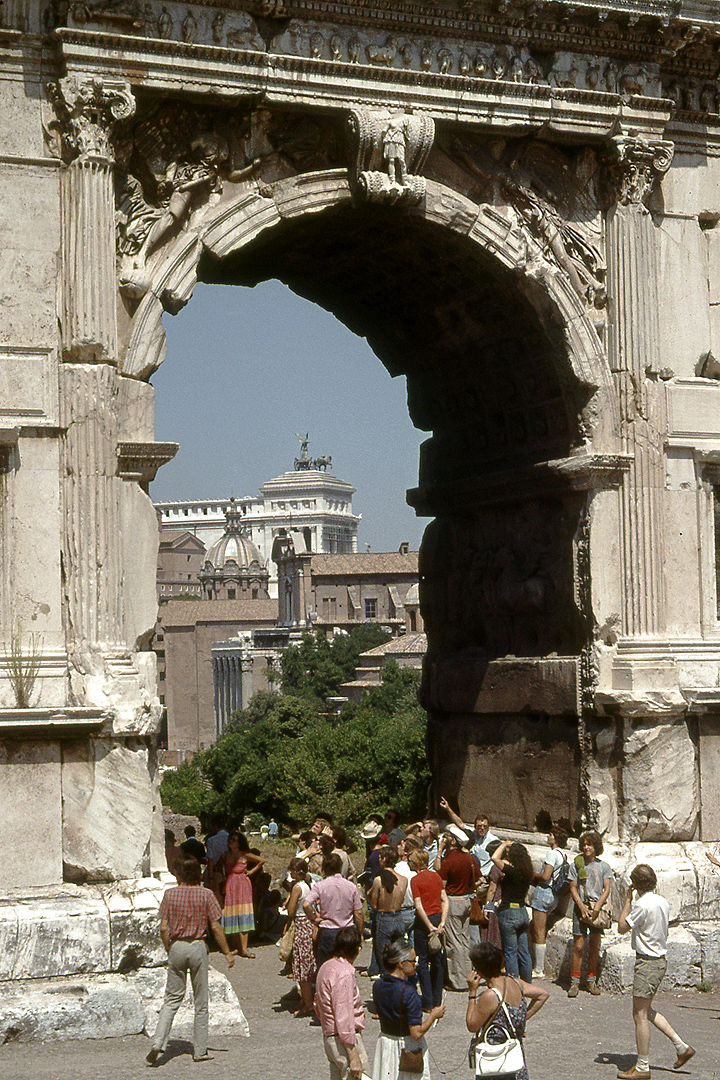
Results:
185 913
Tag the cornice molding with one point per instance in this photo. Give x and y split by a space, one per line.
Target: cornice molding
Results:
170 66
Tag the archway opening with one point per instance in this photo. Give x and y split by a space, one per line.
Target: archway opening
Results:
488 372
490 379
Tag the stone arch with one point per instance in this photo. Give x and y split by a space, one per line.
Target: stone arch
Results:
507 372
232 226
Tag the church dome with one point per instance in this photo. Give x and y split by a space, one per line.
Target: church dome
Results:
233 566
233 547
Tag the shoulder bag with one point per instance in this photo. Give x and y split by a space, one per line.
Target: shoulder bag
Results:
603 921
503 1058
411 1061
286 942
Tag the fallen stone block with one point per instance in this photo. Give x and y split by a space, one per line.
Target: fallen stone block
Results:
53 937
97 1007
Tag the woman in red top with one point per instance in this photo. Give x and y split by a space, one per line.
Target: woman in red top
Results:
431 911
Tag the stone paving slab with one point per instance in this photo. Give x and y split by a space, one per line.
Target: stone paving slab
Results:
588 1038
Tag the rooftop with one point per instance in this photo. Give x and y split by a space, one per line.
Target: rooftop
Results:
366 562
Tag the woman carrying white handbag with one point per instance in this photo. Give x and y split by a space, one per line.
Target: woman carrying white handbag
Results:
498 1015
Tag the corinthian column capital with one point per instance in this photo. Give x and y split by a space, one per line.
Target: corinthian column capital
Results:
635 166
87 108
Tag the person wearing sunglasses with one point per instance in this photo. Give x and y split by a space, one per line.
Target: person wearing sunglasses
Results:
402 1023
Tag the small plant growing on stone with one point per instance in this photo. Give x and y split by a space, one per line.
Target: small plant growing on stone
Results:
705 987
23 666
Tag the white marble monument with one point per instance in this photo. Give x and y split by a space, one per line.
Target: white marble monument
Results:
518 205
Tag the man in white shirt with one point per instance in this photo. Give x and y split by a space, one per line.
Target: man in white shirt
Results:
648 919
480 836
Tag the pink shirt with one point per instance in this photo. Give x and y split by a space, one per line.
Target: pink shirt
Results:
337 1000
338 900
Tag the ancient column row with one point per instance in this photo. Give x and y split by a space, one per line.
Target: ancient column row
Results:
232 689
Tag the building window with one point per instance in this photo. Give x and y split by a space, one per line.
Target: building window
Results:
254 594
231 594
413 622
337 539
370 608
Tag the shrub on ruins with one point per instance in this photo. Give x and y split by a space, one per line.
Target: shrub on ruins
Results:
186 791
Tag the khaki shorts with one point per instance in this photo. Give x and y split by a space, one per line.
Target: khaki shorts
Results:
649 973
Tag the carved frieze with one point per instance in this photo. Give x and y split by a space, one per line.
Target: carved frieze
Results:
577 47
390 148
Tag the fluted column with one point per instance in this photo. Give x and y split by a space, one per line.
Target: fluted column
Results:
91 555
88 320
87 109
633 348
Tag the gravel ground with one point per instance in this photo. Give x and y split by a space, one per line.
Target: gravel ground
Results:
588 1038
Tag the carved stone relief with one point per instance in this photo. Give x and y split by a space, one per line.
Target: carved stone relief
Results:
553 195
390 149
178 160
461 52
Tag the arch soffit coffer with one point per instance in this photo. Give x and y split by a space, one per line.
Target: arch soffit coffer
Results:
231 226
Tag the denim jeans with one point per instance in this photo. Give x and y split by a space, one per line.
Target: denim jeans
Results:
324 945
373 967
514 923
388 924
431 966
408 925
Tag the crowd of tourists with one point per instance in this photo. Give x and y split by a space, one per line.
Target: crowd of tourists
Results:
445 910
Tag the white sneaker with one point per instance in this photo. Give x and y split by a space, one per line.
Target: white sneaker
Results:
538 974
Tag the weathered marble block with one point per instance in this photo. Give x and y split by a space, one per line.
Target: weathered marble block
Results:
135 941
105 786
54 937
660 785
100 1006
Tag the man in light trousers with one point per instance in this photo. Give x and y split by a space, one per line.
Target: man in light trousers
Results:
185 913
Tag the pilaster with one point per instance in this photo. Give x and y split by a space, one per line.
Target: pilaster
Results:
91 550
87 109
633 347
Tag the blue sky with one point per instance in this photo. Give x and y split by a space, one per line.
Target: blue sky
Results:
246 369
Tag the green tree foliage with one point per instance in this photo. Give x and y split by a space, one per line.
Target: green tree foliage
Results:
286 756
317 669
185 791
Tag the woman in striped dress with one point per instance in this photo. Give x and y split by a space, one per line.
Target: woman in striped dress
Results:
239 864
